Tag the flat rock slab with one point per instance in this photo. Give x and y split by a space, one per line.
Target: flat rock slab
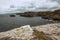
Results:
52 30
23 33
42 32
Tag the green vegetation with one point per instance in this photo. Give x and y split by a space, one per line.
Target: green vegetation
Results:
40 36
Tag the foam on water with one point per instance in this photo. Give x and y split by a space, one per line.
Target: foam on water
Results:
13 6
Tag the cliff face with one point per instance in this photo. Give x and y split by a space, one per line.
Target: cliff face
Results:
54 15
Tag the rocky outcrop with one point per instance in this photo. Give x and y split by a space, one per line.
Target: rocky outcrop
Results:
22 33
12 15
49 15
52 30
42 32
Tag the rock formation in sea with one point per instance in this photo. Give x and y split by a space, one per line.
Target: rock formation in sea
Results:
47 14
12 15
42 32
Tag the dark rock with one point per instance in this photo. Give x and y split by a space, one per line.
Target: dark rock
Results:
26 15
55 19
12 15
46 15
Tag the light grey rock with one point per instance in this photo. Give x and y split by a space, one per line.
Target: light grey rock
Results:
22 33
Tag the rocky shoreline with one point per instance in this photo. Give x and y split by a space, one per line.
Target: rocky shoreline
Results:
42 32
46 15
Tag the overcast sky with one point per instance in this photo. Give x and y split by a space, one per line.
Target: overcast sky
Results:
7 6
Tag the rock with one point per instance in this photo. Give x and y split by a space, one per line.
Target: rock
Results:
47 14
51 30
22 33
44 17
12 15
42 32
39 35
26 14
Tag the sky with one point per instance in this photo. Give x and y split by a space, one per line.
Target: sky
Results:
13 6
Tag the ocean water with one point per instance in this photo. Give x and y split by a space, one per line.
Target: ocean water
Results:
8 7
8 23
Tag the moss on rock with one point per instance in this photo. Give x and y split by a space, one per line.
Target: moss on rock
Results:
40 36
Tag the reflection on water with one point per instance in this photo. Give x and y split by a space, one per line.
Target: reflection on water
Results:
7 23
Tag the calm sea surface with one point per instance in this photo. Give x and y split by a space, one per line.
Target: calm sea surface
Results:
7 22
